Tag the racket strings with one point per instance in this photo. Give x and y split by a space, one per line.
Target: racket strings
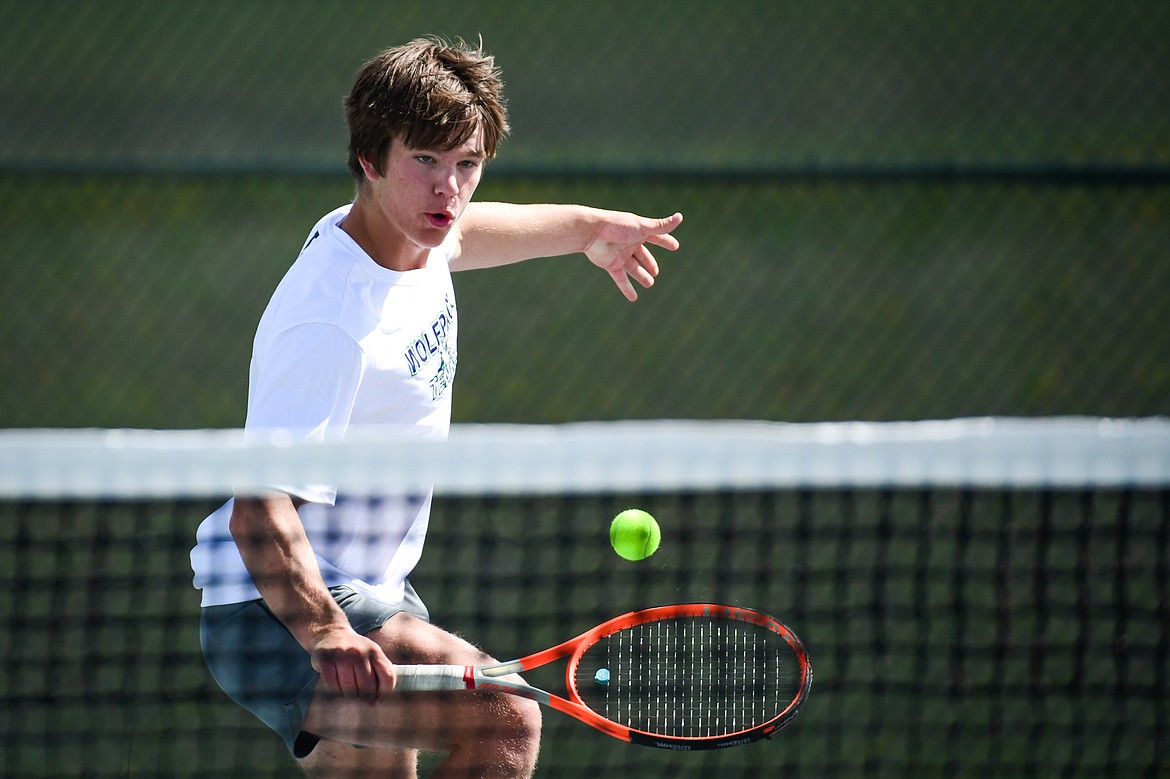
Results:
690 677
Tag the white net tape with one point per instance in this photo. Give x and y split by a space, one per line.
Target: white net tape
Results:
604 456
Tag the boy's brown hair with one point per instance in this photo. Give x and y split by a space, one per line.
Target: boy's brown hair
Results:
427 93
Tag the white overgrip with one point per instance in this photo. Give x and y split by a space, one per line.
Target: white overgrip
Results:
432 677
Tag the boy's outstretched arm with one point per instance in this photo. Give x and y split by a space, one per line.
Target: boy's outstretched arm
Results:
493 234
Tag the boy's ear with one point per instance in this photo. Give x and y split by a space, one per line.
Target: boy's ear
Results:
368 168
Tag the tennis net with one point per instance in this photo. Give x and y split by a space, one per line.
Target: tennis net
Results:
978 596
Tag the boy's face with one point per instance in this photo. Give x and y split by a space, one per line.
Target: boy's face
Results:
421 193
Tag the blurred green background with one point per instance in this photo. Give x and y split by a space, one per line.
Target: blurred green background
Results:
893 210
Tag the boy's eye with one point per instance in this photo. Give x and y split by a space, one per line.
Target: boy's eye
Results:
428 159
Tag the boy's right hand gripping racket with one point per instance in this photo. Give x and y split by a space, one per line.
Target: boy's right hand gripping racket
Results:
692 676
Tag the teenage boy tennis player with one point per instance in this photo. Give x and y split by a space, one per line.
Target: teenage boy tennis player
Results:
306 603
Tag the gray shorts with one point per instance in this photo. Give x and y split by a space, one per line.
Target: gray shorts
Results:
257 662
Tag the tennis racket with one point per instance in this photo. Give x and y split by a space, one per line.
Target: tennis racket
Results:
691 676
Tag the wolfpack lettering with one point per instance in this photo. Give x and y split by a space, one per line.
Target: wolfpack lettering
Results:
435 343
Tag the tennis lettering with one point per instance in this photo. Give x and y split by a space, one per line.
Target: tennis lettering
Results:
736 742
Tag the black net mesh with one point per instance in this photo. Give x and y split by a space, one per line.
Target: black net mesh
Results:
952 632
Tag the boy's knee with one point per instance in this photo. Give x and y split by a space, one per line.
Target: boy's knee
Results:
528 718
522 737
516 722
518 718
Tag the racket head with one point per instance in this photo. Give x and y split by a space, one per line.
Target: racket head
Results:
690 676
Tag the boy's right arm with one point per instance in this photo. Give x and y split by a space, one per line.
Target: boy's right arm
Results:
278 555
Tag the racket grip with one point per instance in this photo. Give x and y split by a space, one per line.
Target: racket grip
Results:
430 678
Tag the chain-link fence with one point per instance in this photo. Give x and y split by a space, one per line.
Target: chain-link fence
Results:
893 210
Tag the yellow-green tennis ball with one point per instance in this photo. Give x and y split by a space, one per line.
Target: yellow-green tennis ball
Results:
634 534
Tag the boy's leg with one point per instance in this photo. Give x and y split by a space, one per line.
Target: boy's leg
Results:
335 760
483 734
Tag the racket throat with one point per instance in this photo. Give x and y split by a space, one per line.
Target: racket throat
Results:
496 671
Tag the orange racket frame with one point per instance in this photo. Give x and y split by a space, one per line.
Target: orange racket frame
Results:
491 677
